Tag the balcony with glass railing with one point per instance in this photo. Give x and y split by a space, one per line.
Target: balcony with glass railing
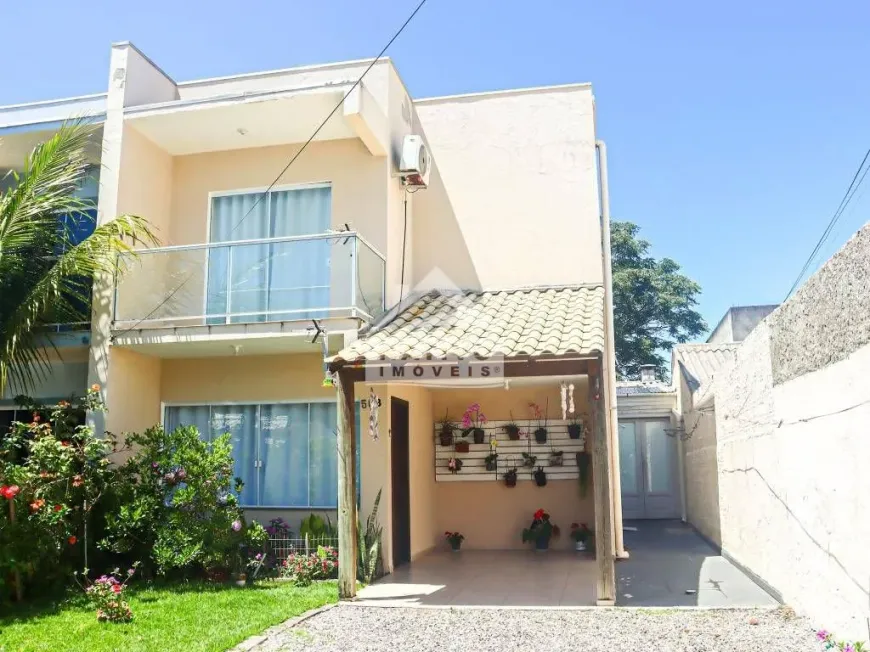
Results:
286 279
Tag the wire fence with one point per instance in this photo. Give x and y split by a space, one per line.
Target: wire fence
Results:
283 547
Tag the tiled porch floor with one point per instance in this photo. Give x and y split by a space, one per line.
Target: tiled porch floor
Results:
484 578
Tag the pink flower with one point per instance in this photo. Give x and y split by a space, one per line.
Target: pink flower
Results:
822 634
237 525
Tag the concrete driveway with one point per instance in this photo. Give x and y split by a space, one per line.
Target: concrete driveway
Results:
670 565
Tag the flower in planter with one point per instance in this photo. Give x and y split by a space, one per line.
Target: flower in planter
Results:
540 418
455 539
540 477
491 461
472 422
541 530
445 430
454 465
510 477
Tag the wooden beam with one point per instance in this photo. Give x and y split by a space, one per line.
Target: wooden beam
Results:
347 499
601 481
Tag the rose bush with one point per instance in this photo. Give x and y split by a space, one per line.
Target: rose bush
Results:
53 473
303 569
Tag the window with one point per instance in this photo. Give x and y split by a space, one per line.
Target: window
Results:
269 281
285 452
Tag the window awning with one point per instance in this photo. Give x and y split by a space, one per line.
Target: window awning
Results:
523 323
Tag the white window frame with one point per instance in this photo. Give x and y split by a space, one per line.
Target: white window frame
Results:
259 404
249 191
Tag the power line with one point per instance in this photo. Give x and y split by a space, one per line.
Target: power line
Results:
292 160
844 202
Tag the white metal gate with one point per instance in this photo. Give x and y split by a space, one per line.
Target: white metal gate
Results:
648 469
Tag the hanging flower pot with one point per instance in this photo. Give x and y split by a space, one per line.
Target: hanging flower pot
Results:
454 465
541 435
575 430
540 477
462 447
556 458
445 431
479 435
491 462
513 431
510 478
529 460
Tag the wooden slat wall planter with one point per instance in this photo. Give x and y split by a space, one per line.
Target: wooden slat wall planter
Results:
510 453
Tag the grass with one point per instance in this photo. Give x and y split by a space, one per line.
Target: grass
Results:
190 616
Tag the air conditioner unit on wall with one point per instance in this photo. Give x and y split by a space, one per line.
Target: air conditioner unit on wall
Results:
415 162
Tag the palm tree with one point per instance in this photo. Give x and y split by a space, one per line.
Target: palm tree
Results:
46 274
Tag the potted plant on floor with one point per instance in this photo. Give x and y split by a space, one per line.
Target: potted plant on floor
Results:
472 423
540 418
445 431
512 429
455 540
510 477
580 533
454 465
491 461
540 531
540 477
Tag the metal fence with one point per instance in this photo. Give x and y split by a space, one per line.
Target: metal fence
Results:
281 547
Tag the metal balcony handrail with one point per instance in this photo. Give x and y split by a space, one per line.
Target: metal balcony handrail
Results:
333 235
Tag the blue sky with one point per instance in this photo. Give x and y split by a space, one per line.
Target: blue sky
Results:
732 130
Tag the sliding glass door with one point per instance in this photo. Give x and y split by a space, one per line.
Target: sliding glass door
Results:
269 281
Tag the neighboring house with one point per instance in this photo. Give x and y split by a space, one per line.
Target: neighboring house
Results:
267 270
648 450
23 126
777 446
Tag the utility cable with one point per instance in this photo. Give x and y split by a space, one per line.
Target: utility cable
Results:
847 198
291 161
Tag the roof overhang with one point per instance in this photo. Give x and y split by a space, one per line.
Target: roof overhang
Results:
262 119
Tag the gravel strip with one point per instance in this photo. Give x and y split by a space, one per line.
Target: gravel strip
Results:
348 628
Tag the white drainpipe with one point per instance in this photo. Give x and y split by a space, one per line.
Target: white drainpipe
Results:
610 357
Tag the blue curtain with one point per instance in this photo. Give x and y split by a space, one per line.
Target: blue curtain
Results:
238 276
192 415
284 452
240 421
299 275
268 278
323 455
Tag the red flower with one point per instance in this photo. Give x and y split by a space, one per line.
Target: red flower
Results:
72 540
116 588
539 515
9 492
36 504
57 508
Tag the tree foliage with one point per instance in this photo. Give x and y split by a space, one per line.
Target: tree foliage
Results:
46 275
654 304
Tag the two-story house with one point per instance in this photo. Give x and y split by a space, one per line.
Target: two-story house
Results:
290 271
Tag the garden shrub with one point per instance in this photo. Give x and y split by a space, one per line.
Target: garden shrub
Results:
176 511
53 473
303 569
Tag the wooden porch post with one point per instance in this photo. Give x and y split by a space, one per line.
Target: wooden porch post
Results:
601 481
347 499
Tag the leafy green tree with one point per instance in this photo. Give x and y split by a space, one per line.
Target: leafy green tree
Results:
46 274
653 303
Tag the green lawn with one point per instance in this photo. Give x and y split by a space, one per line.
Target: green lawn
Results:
194 616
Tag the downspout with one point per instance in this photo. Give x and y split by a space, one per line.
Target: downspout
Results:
610 357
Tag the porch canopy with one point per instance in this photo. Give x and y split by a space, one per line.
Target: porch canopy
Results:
485 335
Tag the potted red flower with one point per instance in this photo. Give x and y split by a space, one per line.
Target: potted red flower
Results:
455 539
540 531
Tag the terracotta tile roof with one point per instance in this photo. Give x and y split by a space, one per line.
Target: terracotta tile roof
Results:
509 323
699 363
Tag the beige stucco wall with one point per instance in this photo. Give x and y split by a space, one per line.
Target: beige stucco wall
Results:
133 394
793 483
700 464
519 170
489 514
